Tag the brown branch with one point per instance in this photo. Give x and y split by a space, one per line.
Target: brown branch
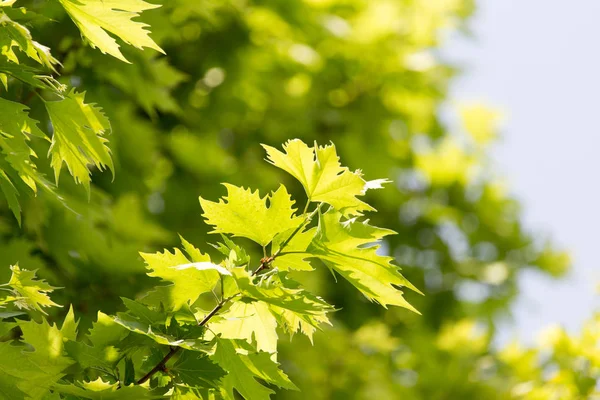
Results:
160 366
265 262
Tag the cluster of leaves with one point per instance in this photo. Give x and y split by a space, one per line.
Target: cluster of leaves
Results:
364 74
187 350
78 129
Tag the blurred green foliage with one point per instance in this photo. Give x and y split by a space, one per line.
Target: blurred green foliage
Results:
364 74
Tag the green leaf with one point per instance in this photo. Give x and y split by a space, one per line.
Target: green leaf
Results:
8 383
11 194
87 356
189 279
102 390
21 372
69 326
236 255
78 137
48 342
186 393
294 255
193 253
243 213
5 325
244 368
14 121
248 320
13 34
106 332
320 172
349 247
15 128
32 294
292 306
95 18
150 323
197 370
263 366
36 367
104 336
30 76
280 291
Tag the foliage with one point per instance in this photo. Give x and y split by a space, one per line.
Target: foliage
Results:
97 93
167 331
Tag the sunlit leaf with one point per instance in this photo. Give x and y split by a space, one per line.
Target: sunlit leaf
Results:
95 18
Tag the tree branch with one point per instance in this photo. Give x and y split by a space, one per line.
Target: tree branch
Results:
161 366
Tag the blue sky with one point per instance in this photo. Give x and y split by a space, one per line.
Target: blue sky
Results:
538 61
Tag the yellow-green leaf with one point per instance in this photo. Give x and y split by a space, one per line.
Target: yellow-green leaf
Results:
248 320
324 179
13 34
187 280
78 138
32 293
349 247
95 18
243 213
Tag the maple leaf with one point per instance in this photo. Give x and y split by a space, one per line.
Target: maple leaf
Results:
243 213
31 293
13 34
188 279
292 306
103 337
248 320
152 324
29 75
15 126
349 247
294 256
320 172
197 370
36 368
95 18
78 137
244 366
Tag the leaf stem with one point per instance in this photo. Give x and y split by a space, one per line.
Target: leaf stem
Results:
298 229
266 261
306 206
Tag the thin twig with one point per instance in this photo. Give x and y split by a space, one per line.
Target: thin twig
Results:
265 262
161 366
